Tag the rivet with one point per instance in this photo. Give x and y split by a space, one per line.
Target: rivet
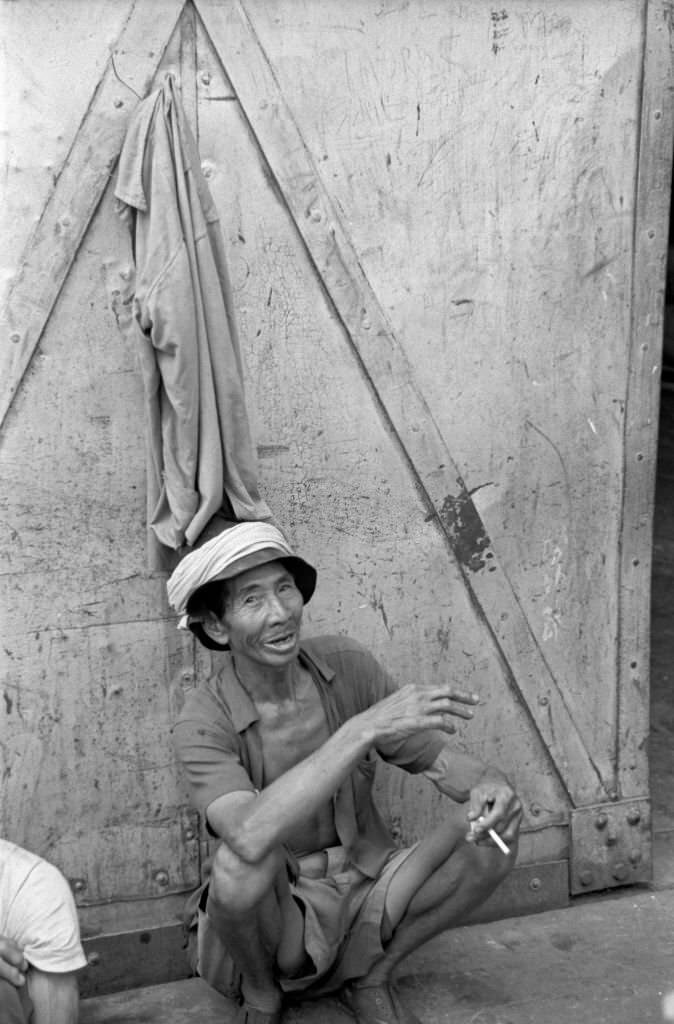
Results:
535 810
206 77
94 959
620 872
586 877
543 701
633 817
611 839
125 274
316 216
263 104
535 884
117 102
161 877
366 324
79 884
15 338
613 794
635 857
601 821
651 233
657 115
189 833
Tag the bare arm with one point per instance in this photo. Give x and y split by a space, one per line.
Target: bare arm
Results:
55 997
253 825
490 796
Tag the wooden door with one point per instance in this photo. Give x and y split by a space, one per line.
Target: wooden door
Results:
446 226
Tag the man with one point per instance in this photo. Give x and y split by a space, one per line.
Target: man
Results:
40 950
307 891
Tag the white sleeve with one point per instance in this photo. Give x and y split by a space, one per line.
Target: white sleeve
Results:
43 919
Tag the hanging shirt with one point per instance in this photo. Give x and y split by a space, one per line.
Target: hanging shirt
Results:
200 453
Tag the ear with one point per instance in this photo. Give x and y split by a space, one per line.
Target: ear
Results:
215 628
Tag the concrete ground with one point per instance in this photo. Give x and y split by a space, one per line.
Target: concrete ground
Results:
608 959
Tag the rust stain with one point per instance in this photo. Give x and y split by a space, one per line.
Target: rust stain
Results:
465 530
499 30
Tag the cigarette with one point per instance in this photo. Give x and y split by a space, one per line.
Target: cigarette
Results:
495 837
499 842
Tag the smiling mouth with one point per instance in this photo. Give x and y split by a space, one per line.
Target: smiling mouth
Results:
283 642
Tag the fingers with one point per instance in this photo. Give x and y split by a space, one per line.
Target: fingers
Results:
447 701
497 808
12 962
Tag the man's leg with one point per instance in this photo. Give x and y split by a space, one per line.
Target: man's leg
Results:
259 922
55 997
441 881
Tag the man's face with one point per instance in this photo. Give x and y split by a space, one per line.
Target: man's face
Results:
263 614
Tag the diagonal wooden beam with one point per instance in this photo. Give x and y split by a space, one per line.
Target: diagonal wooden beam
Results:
52 247
385 364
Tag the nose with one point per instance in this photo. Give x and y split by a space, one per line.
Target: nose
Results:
276 609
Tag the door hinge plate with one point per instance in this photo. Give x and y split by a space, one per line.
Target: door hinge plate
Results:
610 845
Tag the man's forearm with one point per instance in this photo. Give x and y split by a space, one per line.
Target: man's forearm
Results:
455 773
260 824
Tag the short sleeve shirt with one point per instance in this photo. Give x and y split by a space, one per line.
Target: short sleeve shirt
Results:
217 740
38 912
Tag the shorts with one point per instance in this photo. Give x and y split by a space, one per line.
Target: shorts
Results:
343 914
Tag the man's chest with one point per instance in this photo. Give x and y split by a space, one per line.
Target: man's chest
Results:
291 731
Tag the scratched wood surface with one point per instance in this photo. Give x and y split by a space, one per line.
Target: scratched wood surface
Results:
483 166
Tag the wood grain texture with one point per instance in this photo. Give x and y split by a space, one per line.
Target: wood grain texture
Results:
78 187
584 765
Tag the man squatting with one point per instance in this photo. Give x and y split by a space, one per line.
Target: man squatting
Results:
307 892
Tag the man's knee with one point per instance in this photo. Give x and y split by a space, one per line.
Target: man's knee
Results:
238 886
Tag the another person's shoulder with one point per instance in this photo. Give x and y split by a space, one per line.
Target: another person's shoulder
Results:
38 910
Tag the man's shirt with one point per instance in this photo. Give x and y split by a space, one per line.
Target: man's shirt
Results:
218 742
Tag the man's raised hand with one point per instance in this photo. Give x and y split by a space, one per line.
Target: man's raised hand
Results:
415 707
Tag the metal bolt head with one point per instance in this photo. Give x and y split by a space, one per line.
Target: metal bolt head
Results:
15 337
189 833
635 857
586 877
161 877
543 701
601 821
94 959
535 810
620 872
206 77
535 884
633 817
79 884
